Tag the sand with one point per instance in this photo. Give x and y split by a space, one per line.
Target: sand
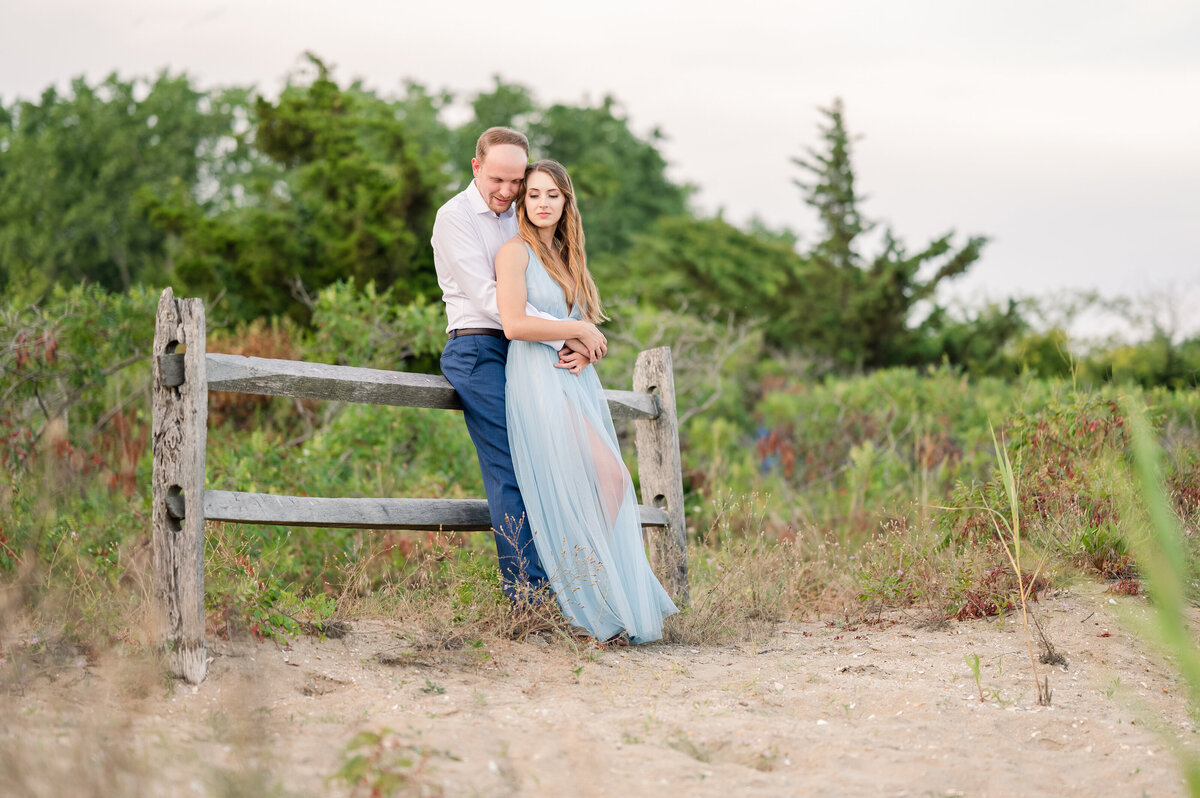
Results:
888 708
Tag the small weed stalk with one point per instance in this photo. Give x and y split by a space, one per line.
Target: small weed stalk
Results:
381 764
1008 530
972 660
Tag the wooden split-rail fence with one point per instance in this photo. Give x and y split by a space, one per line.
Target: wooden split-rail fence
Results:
184 373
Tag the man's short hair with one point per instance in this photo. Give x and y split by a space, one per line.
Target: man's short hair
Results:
499 135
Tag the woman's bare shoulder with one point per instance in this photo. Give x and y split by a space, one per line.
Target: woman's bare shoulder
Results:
513 252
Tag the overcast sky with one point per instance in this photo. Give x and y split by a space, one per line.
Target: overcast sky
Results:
1066 131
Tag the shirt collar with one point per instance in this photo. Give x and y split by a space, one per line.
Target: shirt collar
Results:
479 205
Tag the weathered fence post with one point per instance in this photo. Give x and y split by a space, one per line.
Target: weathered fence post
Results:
180 415
660 468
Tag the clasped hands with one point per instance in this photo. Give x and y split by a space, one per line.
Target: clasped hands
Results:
580 352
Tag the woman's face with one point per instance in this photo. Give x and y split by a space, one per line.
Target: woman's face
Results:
544 201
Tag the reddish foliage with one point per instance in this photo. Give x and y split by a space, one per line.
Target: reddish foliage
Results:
1057 450
73 458
998 591
255 341
1185 490
1112 565
778 442
1125 587
247 567
17 445
44 348
122 443
49 346
21 346
975 527
938 447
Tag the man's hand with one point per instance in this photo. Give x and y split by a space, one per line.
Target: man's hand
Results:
572 361
575 355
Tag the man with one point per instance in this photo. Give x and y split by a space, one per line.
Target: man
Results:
469 230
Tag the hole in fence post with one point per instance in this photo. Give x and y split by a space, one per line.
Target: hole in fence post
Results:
176 508
170 365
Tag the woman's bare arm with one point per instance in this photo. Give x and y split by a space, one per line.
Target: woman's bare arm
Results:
511 262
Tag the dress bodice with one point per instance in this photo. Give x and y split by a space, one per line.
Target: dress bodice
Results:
543 293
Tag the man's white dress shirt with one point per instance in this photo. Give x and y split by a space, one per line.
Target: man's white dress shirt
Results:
467 234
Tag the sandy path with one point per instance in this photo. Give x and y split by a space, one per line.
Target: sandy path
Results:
819 709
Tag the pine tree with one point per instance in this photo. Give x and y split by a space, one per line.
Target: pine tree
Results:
864 308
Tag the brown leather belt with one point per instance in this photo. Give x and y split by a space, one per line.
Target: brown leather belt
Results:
477 331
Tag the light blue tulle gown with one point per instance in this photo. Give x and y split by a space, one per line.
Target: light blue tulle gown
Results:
577 491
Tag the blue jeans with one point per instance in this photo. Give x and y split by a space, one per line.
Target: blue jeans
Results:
474 365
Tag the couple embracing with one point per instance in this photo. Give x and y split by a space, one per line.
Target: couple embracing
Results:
522 311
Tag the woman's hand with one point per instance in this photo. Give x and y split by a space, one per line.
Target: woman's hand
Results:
594 343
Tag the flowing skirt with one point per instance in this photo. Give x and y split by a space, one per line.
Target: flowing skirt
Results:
579 498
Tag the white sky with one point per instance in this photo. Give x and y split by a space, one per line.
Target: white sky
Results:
1066 131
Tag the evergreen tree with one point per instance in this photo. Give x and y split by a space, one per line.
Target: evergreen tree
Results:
865 316
711 268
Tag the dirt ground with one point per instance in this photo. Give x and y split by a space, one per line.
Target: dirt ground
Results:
821 708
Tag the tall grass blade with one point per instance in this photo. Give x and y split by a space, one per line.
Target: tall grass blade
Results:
1012 548
1164 562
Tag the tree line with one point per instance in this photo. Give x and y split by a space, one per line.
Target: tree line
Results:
257 203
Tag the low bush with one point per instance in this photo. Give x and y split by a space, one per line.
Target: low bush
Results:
837 496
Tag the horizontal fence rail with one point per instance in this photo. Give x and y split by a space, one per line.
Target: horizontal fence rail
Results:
269 377
450 515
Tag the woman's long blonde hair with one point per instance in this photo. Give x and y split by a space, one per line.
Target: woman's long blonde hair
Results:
567 263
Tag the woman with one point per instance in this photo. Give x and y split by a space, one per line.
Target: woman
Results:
578 494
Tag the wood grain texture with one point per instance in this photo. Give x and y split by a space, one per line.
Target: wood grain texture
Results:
179 429
271 377
660 469
450 515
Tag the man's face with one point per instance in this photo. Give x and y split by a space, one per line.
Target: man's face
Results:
499 175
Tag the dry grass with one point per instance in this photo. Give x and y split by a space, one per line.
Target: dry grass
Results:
72 698
57 743
87 736
86 760
53 626
743 588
